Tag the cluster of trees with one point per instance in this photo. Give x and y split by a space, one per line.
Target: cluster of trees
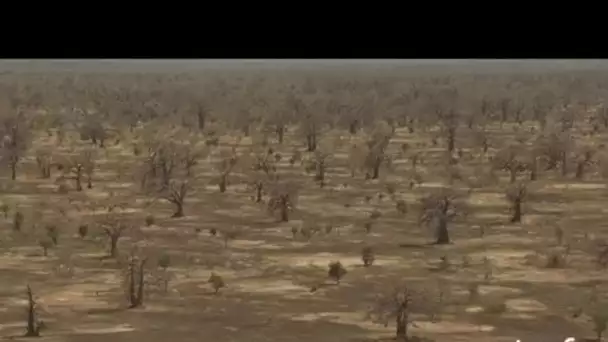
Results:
174 123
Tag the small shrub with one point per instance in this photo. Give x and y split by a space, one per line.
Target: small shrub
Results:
149 220
53 233
164 261
367 198
367 256
18 221
336 271
83 230
45 243
213 231
328 228
374 215
216 282
401 206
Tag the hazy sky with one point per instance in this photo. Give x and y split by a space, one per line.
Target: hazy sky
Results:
187 64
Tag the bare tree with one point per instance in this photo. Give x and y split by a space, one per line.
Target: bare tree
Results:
225 166
262 170
176 194
76 166
283 199
319 164
401 305
440 209
15 138
376 154
511 159
44 161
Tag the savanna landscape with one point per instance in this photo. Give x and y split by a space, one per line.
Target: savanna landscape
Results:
328 204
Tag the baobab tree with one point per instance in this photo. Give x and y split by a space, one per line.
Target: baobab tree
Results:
76 166
511 159
44 161
376 151
283 199
439 209
15 139
401 305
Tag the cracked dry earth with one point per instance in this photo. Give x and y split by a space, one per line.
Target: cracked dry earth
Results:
269 274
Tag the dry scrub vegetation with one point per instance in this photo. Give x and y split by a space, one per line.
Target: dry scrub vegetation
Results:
274 205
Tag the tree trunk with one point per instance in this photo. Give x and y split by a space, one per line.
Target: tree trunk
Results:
89 183
32 329
222 184
280 134
258 192
376 169
353 127
140 286
320 177
284 213
311 142
513 175
114 245
401 322
443 236
201 120
451 141
564 162
580 170
516 211
132 294
13 171
179 210
78 181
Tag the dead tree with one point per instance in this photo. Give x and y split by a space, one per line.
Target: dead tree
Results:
516 194
402 305
439 210
283 199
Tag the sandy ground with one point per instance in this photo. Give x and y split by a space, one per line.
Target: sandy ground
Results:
269 274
